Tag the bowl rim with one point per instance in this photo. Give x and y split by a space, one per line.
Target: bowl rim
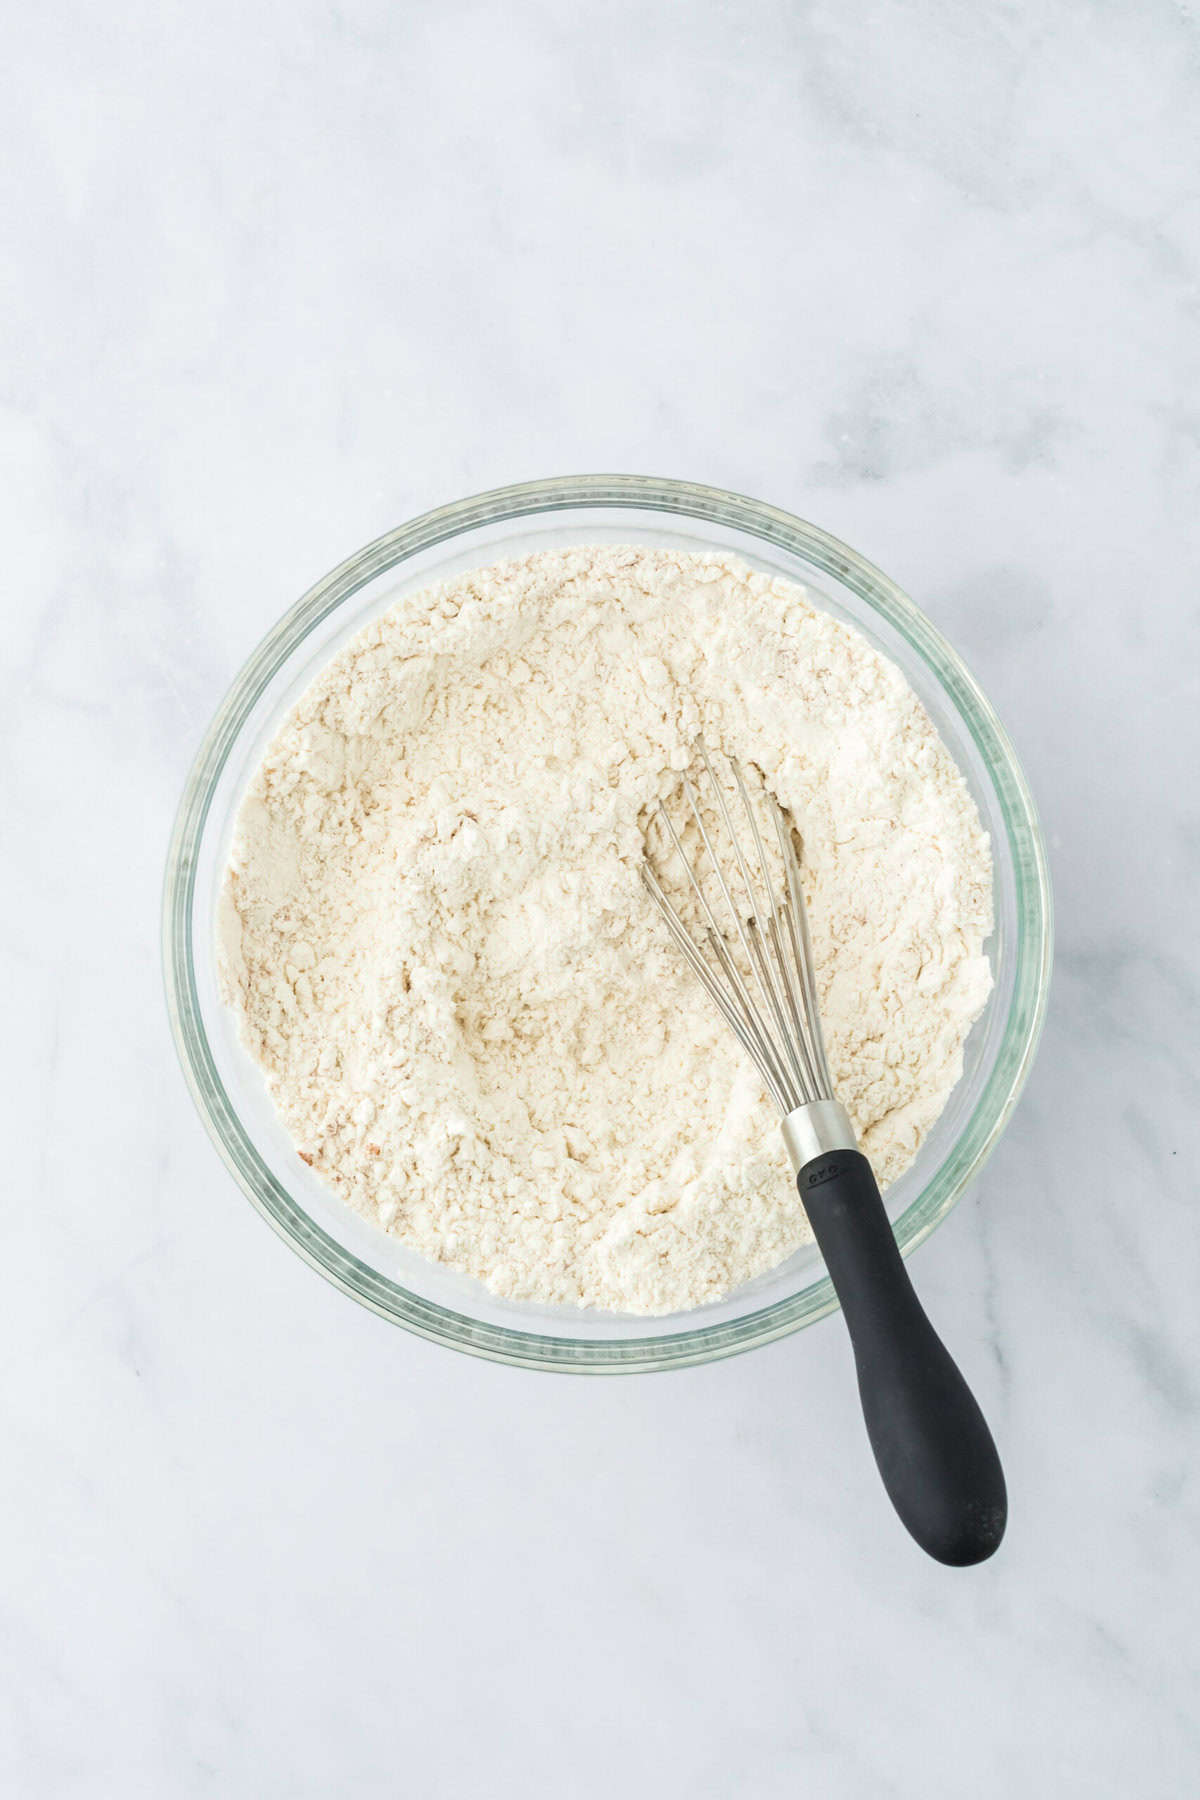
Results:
686 500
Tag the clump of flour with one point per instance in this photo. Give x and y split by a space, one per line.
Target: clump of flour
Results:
439 949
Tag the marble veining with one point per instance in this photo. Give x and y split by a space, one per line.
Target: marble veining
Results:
276 279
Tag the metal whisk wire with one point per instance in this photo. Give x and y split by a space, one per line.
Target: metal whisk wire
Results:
780 1029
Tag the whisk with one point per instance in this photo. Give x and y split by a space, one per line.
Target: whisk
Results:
931 1442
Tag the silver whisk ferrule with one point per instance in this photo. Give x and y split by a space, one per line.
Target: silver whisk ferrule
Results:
768 998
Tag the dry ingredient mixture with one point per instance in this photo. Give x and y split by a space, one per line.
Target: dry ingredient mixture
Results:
438 947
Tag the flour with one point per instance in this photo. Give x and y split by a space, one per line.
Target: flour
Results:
439 949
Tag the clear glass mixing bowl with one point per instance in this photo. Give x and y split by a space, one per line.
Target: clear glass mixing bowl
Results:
229 1091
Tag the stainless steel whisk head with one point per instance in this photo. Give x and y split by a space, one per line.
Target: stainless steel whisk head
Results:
774 1013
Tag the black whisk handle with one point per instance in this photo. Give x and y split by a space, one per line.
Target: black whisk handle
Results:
931 1442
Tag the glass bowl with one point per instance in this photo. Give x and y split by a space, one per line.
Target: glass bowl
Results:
229 1091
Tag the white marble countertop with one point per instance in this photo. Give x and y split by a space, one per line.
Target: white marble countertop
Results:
276 278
